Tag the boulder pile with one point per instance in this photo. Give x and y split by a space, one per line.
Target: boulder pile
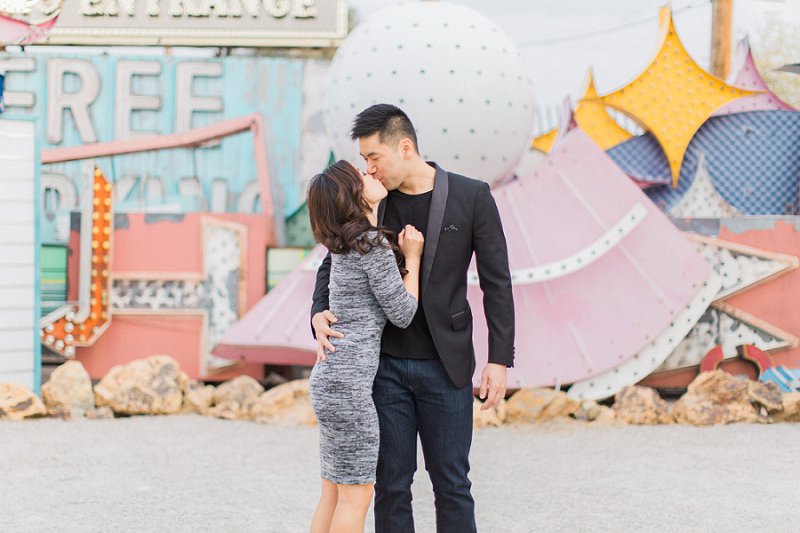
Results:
157 386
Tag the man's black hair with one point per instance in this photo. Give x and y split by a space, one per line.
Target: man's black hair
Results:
388 121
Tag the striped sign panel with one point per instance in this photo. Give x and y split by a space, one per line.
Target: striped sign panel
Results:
18 253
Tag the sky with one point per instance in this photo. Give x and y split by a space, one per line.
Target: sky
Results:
559 40
545 32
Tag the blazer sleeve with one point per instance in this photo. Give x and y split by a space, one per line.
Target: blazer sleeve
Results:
387 286
491 254
319 301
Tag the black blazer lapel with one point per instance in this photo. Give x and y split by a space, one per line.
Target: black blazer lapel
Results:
435 216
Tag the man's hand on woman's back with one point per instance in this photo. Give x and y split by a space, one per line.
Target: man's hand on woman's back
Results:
321 322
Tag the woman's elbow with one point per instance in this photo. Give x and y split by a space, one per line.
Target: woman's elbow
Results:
403 320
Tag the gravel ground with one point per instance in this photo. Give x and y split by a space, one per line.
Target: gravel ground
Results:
197 474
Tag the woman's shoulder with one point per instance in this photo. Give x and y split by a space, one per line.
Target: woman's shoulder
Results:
374 238
368 244
377 243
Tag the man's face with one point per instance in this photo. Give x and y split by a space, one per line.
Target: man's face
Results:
384 162
374 191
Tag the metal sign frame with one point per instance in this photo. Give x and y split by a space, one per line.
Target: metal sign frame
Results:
105 29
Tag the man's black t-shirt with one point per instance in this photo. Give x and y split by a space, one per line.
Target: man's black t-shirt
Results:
415 341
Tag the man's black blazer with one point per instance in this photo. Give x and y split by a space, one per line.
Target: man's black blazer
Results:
463 219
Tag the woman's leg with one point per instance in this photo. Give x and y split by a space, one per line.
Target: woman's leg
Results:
351 508
321 523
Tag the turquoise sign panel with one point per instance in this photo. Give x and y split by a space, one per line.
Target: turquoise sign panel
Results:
86 98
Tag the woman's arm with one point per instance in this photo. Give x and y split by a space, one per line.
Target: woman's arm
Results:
411 280
411 242
388 286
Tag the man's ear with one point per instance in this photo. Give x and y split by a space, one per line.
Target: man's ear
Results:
406 148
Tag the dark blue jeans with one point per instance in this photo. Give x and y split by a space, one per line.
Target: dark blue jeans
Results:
413 397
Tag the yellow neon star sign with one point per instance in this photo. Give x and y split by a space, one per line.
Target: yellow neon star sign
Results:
595 120
592 118
673 97
544 142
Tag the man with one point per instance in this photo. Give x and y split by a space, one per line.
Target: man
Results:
424 380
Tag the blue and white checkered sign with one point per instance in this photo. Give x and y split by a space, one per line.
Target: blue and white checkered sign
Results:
753 160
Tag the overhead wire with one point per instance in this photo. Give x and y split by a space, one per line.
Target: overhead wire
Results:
612 29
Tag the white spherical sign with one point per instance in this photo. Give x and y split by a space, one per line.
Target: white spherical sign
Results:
454 72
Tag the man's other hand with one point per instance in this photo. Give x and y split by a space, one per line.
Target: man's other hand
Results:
493 385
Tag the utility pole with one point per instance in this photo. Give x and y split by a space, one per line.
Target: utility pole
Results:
721 37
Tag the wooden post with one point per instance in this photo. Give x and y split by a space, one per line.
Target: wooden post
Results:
721 37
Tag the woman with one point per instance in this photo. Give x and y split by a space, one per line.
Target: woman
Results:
366 288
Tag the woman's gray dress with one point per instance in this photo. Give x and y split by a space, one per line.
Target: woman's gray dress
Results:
365 290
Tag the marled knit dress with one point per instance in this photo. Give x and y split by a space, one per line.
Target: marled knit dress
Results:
365 290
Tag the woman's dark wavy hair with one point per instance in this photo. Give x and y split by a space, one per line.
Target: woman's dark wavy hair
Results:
338 212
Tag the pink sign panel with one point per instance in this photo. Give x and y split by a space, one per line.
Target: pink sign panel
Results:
598 273
14 31
598 270
746 76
